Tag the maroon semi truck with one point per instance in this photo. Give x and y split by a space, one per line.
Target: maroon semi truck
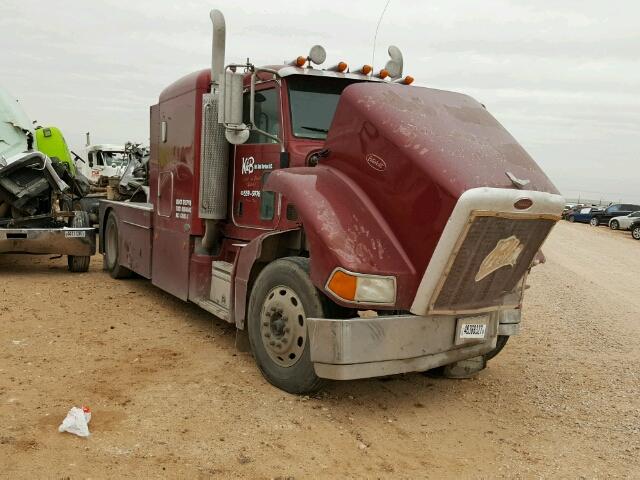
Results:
348 224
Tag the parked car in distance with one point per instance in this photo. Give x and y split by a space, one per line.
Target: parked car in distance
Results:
615 210
583 215
623 222
566 213
568 207
635 229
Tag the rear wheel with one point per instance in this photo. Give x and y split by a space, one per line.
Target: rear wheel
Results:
614 225
635 233
572 218
76 263
112 250
595 221
282 299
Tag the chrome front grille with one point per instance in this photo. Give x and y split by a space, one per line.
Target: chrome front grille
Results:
491 257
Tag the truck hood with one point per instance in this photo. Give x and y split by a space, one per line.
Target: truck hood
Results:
426 186
414 151
446 138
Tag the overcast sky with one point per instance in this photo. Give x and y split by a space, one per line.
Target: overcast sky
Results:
562 76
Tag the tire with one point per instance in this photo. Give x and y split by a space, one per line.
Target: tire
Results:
614 225
635 233
79 264
112 251
500 344
594 222
572 219
281 300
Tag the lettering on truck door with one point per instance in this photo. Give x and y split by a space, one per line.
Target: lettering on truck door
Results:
254 160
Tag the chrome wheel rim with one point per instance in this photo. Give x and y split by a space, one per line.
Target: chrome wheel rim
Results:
283 326
636 233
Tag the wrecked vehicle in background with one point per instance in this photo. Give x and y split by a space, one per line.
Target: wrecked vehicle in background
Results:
39 195
133 185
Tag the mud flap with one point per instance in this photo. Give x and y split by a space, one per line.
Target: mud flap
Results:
464 368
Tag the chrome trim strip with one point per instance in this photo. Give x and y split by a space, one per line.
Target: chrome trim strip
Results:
136 224
317 72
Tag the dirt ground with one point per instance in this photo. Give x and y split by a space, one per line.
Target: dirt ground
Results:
171 398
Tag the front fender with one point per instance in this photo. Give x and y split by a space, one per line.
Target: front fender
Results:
344 228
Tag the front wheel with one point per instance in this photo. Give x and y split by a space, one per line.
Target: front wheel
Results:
282 299
614 225
594 222
635 233
572 219
75 263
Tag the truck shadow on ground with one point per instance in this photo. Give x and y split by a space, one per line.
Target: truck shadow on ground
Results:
402 389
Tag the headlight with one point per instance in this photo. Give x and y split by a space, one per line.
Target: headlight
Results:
362 288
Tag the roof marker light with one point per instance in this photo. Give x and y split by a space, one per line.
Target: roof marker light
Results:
340 67
299 62
408 80
383 74
365 70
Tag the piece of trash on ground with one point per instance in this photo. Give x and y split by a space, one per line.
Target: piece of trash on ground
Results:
77 421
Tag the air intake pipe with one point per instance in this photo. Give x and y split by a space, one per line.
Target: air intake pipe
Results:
214 149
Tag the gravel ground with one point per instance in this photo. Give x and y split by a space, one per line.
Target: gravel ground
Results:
171 398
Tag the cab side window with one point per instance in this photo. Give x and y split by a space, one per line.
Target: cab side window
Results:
266 115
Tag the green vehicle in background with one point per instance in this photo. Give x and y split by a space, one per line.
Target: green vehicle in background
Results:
51 142
41 197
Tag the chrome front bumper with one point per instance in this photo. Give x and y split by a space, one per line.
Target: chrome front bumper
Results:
372 347
62 241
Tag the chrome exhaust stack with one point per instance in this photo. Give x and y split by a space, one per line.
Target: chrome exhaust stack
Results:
217 46
213 147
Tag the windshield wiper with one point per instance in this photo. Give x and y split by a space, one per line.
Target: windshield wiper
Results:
315 129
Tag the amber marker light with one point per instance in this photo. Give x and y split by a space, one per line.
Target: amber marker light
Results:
362 288
343 285
366 69
383 74
408 80
300 61
340 67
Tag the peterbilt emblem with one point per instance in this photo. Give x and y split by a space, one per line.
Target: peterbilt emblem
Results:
505 254
376 162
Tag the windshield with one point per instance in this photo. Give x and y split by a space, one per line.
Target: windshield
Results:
313 103
114 159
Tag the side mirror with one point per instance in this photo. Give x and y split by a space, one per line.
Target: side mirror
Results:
230 108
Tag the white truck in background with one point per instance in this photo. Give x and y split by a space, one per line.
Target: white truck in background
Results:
102 160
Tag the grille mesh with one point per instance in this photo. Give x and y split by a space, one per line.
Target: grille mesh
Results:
213 162
461 291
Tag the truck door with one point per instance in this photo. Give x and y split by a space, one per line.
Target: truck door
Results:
255 159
